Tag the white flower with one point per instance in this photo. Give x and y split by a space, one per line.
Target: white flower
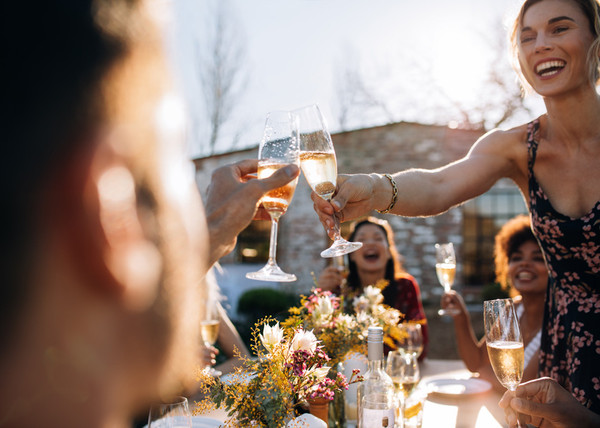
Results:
324 307
389 316
320 373
346 321
361 304
322 312
363 318
373 294
304 341
271 336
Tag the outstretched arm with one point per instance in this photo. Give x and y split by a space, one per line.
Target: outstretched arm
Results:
424 192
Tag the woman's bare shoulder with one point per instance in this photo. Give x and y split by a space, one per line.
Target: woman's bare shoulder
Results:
516 135
509 145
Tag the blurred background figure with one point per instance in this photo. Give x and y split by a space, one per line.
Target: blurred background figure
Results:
229 345
522 272
378 259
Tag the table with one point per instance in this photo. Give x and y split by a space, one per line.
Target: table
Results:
474 411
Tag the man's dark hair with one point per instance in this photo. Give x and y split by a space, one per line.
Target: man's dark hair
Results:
57 53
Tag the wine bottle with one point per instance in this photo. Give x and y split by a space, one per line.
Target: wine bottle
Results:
376 402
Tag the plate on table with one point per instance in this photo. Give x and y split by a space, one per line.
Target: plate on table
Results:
448 387
204 422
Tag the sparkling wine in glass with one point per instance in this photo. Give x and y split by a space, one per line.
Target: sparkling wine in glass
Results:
278 148
209 329
318 162
445 267
404 370
504 341
172 414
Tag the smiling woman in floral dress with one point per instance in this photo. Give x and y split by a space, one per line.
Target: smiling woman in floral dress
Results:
554 161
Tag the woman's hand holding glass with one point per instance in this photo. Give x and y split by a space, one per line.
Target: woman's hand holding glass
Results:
354 198
445 268
318 162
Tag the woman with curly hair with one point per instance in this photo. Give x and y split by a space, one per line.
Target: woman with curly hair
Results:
522 272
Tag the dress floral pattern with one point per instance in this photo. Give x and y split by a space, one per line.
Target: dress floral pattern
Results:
570 349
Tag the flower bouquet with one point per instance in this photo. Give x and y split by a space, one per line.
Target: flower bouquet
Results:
340 333
290 369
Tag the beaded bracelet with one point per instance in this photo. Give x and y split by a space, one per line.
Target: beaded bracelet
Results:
394 195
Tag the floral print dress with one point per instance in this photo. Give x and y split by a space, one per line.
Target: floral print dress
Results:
570 349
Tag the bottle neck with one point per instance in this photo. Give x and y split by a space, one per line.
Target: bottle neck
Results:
375 356
375 351
376 366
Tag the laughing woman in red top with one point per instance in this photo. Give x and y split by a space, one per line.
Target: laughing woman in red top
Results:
379 259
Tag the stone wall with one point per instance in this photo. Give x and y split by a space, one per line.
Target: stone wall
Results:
381 149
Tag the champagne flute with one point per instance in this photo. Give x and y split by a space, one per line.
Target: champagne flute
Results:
412 340
209 330
403 368
504 341
445 267
174 414
317 158
278 148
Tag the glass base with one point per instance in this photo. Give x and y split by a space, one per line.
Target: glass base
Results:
449 311
212 372
341 247
271 272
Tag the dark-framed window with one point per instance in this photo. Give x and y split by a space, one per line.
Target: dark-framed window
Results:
482 219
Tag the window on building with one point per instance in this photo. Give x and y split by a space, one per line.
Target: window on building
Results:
483 217
253 243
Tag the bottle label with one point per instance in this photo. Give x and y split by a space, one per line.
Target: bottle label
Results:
378 418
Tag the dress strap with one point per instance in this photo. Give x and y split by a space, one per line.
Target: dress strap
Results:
532 143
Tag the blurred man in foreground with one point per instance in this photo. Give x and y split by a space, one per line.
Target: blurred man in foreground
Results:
105 242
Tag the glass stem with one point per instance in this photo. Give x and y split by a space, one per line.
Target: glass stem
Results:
336 227
273 241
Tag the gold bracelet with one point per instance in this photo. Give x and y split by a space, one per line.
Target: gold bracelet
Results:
394 194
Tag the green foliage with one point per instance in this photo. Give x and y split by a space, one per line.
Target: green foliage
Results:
494 291
259 303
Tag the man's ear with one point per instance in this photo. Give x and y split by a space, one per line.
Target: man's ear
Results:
104 229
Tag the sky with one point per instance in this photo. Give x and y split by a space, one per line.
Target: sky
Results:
415 57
